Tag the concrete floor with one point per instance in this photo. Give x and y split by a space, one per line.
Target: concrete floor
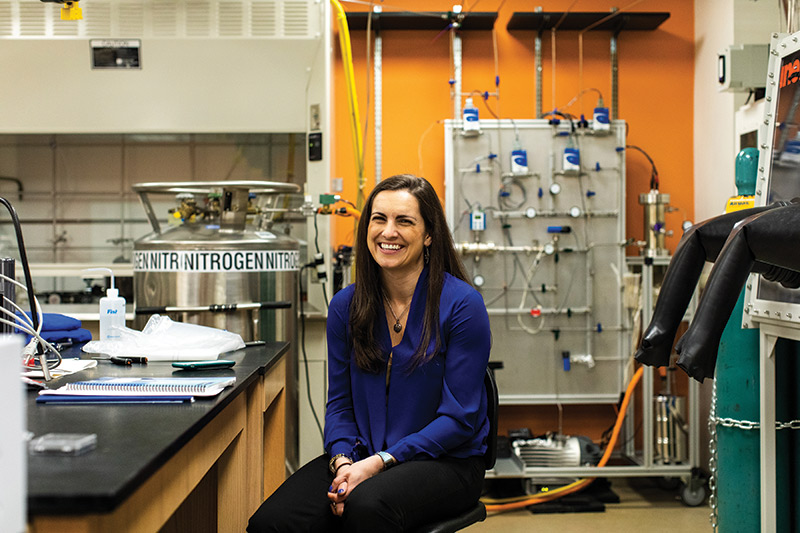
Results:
643 507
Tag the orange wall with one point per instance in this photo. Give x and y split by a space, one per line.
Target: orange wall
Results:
656 77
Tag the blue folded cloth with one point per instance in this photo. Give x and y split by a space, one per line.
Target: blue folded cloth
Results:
54 322
73 335
59 328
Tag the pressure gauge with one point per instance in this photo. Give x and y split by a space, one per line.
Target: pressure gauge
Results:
574 211
478 280
555 188
549 248
530 212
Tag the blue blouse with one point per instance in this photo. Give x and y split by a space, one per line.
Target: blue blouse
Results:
437 410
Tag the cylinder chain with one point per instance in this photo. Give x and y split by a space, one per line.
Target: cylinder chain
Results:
749 424
713 422
712 458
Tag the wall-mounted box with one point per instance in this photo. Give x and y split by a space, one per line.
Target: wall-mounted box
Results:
742 67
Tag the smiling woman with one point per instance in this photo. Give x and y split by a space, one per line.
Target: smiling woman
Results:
408 344
418 223
396 239
396 234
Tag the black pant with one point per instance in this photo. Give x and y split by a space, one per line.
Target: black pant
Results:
399 499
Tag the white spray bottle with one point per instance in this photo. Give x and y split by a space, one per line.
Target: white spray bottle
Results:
112 310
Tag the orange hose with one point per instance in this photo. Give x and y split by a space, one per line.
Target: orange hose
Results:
581 483
621 416
353 212
347 211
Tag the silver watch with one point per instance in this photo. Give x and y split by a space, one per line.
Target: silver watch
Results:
388 460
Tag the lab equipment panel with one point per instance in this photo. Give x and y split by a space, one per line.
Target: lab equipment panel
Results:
536 208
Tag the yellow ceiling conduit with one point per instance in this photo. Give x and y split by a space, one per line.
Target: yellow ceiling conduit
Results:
352 100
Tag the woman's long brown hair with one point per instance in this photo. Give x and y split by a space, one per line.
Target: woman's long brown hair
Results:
367 303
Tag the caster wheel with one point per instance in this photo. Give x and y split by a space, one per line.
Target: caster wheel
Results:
693 493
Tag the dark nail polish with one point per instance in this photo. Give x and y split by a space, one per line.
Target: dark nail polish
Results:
341 491
330 489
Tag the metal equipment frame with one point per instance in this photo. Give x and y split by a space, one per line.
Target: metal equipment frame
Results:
642 463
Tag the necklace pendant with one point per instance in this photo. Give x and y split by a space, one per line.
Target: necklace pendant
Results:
397 327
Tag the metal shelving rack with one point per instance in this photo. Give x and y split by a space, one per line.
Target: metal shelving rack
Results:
646 464
541 21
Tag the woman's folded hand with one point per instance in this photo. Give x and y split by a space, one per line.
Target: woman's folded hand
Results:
349 477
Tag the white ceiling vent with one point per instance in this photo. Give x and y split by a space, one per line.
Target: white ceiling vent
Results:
32 18
295 21
126 19
97 21
264 19
198 19
164 19
5 20
231 19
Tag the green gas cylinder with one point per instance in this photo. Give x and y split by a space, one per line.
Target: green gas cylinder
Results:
746 171
738 470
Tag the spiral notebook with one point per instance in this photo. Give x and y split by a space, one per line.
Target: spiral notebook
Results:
144 386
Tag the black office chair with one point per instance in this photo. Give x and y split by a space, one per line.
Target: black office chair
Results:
478 512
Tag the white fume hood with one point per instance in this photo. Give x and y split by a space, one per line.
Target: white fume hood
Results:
200 66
